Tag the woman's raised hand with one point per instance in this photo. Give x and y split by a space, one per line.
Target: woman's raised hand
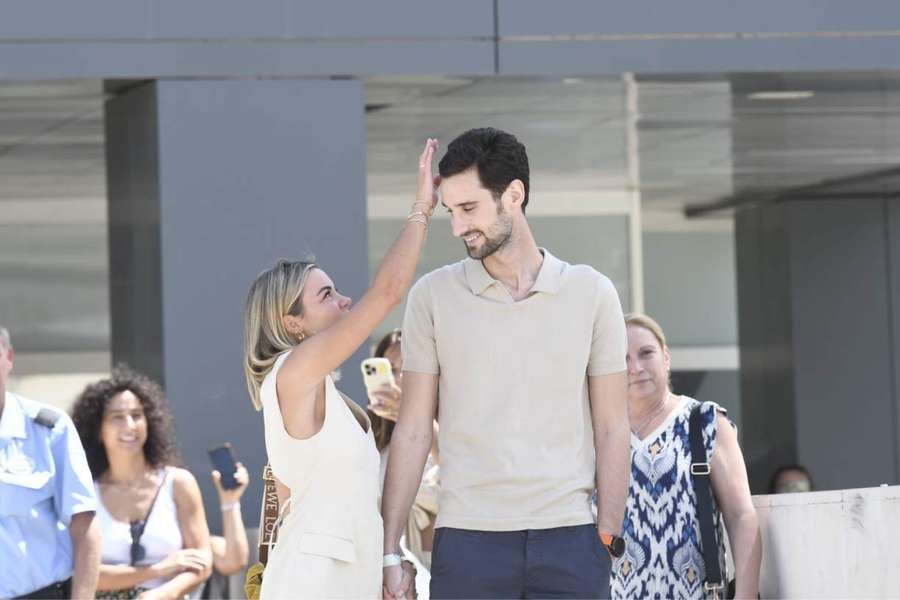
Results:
426 191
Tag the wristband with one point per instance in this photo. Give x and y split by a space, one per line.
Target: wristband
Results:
392 560
231 505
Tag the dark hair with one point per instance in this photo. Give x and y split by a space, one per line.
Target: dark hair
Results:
88 411
773 481
498 158
383 429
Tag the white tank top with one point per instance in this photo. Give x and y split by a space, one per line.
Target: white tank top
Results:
161 537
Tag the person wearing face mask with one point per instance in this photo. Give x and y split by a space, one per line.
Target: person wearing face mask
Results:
790 479
663 555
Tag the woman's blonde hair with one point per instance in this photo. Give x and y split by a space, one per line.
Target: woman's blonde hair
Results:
274 294
649 324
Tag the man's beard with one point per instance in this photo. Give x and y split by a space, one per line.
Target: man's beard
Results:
497 238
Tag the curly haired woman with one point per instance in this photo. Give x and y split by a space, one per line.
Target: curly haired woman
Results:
155 537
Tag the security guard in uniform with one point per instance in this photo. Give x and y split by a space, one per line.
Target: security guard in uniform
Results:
49 539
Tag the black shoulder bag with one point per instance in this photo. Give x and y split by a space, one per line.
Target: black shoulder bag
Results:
714 584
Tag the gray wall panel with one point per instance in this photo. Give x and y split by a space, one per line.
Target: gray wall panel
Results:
396 18
161 19
86 19
243 59
693 56
217 19
842 345
529 17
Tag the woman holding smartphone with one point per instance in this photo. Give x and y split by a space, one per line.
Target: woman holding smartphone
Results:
299 328
384 409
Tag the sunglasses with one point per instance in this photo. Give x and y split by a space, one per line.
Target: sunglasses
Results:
138 552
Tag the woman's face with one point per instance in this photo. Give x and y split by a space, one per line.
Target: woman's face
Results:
322 304
394 355
648 365
124 425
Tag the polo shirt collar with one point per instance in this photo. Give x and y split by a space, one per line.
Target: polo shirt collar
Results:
477 276
12 422
548 279
550 275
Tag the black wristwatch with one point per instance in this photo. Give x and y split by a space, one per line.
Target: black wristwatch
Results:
614 544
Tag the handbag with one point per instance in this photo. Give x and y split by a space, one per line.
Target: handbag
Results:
714 584
269 521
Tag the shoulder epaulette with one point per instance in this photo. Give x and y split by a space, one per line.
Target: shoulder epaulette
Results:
47 418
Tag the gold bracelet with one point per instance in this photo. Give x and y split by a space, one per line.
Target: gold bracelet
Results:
429 209
418 218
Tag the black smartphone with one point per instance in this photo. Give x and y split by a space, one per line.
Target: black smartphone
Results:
223 460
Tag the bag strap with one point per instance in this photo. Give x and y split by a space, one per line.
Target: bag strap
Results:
269 513
714 583
139 526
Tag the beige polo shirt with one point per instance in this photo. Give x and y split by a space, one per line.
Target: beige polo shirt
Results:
516 439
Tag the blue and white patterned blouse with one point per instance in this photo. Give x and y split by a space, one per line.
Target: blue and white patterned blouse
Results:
662 555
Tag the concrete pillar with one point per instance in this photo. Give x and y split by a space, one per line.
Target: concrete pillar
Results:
209 182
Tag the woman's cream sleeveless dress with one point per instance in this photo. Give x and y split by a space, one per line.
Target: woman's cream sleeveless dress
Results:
330 544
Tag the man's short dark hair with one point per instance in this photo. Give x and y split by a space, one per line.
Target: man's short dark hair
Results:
497 156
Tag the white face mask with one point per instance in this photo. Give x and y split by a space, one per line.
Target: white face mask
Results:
794 486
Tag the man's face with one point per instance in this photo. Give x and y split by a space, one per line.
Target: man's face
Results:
6 364
475 217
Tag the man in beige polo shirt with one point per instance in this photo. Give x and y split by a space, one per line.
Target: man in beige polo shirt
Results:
521 357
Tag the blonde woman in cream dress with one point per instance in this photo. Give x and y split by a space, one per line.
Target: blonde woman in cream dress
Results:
298 329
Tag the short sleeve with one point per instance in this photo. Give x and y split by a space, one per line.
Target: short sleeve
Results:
709 412
419 347
74 485
608 343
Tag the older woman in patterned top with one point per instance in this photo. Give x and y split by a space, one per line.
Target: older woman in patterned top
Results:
663 557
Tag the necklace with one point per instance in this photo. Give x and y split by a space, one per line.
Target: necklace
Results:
646 420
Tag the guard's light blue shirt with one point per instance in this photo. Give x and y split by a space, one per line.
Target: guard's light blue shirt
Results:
44 480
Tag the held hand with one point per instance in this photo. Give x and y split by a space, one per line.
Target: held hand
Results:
409 581
385 401
187 559
233 495
426 190
393 584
